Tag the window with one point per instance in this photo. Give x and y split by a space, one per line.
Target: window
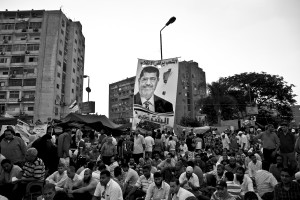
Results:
17 59
30 82
30 108
29 71
58 63
73 81
33 47
34 25
76 32
6 38
58 74
74 60
33 59
61 41
3 60
15 82
65 67
5 73
16 70
75 41
56 111
14 94
21 26
72 90
73 70
63 23
62 32
19 47
5 48
57 86
2 94
74 50
29 94
7 26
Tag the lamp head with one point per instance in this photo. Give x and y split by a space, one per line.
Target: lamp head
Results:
171 20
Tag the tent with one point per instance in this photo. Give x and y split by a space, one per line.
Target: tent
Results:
7 121
94 121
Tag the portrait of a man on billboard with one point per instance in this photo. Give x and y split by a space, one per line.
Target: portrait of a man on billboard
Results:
147 82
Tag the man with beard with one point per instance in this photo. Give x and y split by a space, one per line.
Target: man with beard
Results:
131 177
107 189
142 185
86 187
287 189
275 169
189 181
148 80
222 193
168 162
159 189
177 192
219 173
243 180
232 166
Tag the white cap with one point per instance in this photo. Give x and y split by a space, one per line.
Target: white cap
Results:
293 130
297 176
240 132
189 169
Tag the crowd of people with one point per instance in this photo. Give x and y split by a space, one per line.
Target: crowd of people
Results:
249 164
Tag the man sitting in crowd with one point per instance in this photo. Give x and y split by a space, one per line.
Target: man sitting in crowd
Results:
58 178
177 192
159 189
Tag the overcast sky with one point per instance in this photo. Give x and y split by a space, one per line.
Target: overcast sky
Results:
225 37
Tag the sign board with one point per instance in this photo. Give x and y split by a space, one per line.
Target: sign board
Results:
155 94
87 107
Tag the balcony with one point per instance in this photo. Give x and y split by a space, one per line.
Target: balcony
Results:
28 99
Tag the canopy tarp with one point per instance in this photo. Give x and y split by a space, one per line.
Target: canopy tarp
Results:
7 121
90 119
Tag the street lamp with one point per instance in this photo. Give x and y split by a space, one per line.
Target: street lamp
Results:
88 89
171 20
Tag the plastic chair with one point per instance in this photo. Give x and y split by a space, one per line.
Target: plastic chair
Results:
34 190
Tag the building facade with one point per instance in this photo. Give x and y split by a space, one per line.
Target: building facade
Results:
41 64
121 100
191 88
296 115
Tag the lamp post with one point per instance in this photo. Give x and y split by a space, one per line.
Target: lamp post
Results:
88 89
171 20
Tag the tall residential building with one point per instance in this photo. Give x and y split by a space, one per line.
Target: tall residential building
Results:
121 100
190 88
41 64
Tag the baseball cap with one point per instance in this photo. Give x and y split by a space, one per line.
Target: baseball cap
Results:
240 132
189 169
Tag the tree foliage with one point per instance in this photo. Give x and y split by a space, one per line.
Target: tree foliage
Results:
229 96
188 121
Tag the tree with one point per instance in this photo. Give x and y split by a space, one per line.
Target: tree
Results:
270 93
188 121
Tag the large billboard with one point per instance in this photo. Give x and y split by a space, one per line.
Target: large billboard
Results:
155 94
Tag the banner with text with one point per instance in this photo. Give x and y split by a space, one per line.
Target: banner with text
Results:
155 94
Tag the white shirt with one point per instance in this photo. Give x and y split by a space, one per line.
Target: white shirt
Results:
225 142
149 142
183 148
112 191
182 194
244 140
138 144
69 183
253 168
247 184
172 145
57 179
194 180
150 101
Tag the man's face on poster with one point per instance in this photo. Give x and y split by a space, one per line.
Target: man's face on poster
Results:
147 84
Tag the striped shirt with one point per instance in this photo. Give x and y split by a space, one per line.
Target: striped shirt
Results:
34 169
233 189
144 183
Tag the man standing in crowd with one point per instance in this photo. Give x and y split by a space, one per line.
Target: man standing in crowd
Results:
108 150
138 146
270 144
149 143
13 148
63 146
287 146
225 141
254 165
159 189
